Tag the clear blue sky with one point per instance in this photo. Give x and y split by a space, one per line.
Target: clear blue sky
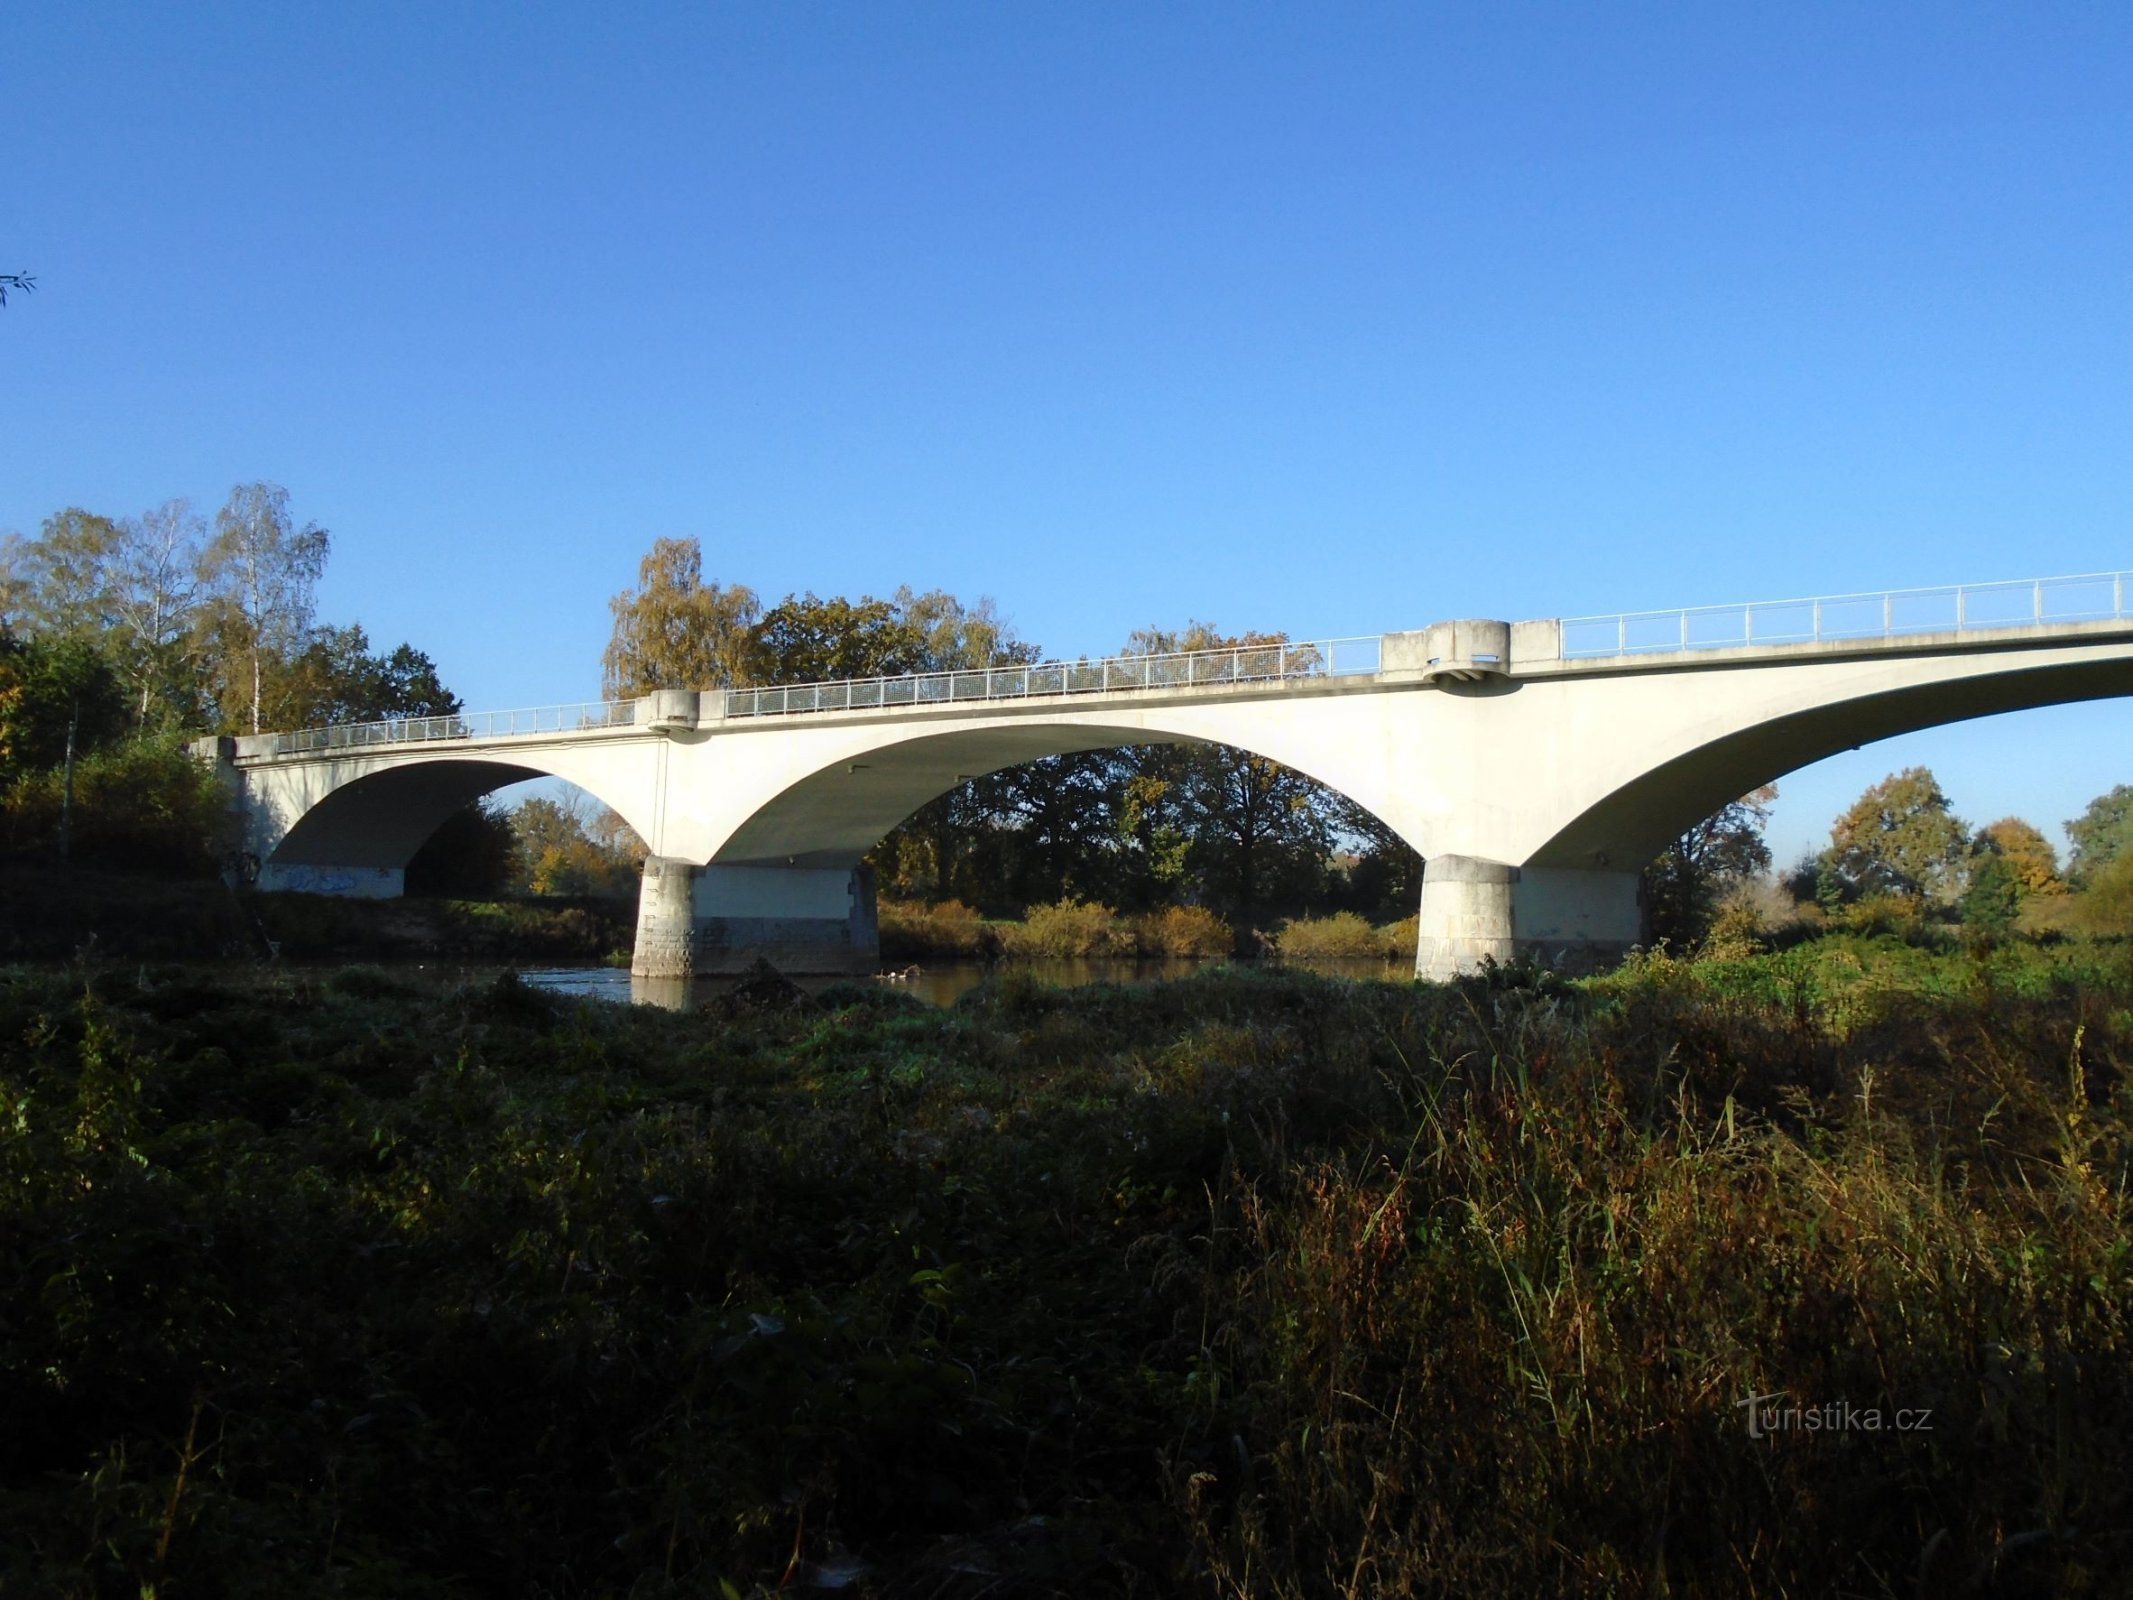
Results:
1330 318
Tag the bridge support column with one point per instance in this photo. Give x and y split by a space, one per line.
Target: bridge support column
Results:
1466 916
666 920
723 919
1565 919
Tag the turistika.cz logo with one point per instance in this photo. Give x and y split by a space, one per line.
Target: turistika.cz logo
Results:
1772 1414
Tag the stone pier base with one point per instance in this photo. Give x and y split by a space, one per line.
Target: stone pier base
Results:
666 920
721 919
1570 921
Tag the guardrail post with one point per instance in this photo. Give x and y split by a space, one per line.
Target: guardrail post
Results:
2040 600
1959 623
1818 622
1621 635
1888 613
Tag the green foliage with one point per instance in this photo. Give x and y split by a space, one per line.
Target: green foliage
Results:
566 847
1900 839
1683 887
1993 900
472 855
2100 834
51 690
1259 1283
336 678
144 804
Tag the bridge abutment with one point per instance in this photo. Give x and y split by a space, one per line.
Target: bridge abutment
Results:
723 919
355 883
1474 910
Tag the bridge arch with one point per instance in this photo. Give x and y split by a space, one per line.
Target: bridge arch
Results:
1635 821
833 814
352 826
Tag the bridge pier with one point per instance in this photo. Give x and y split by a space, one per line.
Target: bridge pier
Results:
722 919
1569 920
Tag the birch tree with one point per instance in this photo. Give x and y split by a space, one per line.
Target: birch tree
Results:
263 571
675 631
155 581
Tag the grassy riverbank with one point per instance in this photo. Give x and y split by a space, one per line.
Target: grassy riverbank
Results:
1251 1284
50 913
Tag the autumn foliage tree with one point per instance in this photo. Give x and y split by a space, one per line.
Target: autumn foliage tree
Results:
1682 888
675 631
1900 838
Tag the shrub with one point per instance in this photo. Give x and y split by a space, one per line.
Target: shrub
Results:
1069 927
911 928
1344 936
147 803
1183 931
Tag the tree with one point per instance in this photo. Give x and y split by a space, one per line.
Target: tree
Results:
154 588
675 631
64 575
2029 856
803 639
1258 833
1900 838
2100 834
1682 888
16 280
469 857
335 678
1993 900
54 692
263 572
562 847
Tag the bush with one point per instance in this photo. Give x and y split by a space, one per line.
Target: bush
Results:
1344 936
1183 931
145 804
911 928
1069 927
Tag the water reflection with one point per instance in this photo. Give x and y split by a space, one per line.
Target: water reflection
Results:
942 985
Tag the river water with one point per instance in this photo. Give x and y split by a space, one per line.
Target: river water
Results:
939 985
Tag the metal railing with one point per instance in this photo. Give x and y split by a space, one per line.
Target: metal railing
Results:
2092 597
474 725
1249 663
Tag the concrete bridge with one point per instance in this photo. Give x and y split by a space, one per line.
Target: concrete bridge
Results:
1535 766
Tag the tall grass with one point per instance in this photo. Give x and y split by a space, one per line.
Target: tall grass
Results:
1254 1284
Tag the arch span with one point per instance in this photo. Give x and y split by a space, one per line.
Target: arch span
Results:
351 826
826 795
1637 820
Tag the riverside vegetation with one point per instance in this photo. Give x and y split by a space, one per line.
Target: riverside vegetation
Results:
1255 1283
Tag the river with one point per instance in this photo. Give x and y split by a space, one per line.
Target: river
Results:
940 985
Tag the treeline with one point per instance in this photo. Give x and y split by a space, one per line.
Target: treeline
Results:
1899 859
1132 828
121 638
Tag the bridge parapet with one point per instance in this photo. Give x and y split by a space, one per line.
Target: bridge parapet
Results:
1844 618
